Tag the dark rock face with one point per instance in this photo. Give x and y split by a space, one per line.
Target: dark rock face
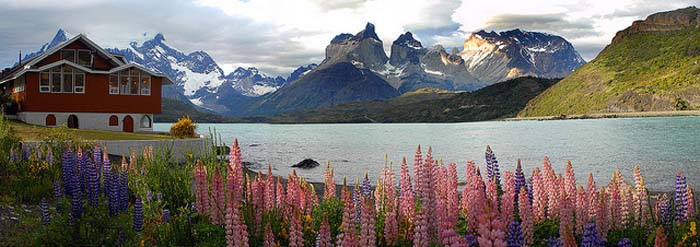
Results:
406 49
306 164
301 71
364 50
664 21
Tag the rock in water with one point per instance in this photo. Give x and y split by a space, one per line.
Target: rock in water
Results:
306 164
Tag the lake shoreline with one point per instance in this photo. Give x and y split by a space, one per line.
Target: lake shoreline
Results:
610 115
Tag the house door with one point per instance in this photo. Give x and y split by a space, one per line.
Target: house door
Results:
73 122
128 124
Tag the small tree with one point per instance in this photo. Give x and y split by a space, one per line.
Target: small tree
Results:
183 128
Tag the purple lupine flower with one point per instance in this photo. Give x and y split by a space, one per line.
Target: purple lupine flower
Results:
149 196
356 200
138 215
625 242
49 156
515 237
13 155
26 152
38 152
528 188
665 214
57 192
159 196
519 180
45 215
97 161
166 216
114 193
106 176
76 199
124 191
67 171
681 197
471 240
492 169
366 187
590 237
79 170
554 242
93 185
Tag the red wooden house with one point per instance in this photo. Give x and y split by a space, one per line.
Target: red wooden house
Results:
79 84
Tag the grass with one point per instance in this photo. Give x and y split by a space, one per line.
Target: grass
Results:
643 72
28 132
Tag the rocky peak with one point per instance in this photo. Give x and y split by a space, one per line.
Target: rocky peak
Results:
662 22
407 40
301 71
364 50
58 38
367 33
341 38
406 49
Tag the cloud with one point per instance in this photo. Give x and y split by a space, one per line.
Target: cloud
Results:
279 35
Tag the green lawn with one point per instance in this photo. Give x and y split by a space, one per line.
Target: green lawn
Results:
28 132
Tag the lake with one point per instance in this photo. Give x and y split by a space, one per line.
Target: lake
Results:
661 146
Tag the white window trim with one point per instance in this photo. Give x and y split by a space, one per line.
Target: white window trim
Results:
48 87
61 76
109 85
75 80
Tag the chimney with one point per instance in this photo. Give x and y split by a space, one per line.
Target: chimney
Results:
20 56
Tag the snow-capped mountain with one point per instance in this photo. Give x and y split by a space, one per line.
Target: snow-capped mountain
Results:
57 39
494 57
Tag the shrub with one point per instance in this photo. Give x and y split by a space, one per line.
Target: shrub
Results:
682 105
184 128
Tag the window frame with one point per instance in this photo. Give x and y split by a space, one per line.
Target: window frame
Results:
48 82
75 54
77 57
116 92
61 72
141 84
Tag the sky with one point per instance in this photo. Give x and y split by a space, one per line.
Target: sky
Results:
277 36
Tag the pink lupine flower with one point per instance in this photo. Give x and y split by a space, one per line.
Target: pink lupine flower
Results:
348 237
269 237
625 203
471 176
592 201
201 188
490 230
406 199
566 211
492 192
329 183
570 182
526 217
614 200
217 201
236 229
581 210
549 178
269 190
690 211
602 217
508 197
368 236
236 172
420 237
296 234
324 235
280 196
476 202
391 224
641 198
539 196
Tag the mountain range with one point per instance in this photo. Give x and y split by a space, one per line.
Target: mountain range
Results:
653 65
355 68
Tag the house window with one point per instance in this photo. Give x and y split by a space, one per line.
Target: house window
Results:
114 84
134 82
68 55
145 121
113 120
19 85
45 83
50 120
63 79
130 82
145 84
85 58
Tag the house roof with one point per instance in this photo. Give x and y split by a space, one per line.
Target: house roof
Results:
30 64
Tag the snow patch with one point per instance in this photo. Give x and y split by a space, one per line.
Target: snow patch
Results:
195 81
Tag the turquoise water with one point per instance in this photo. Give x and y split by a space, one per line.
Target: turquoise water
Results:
661 146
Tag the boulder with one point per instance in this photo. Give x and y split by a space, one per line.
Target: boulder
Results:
306 164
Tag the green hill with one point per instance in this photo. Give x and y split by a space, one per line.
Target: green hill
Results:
654 65
500 100
174 109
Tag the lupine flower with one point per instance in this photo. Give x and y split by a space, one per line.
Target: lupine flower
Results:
202 188
526 217
406 197
615 200
514 238
76 199
664 209
554 242
79 170
165 218
492 169
26 152
149 196
625 242
114 192
470 240
590 237
124 189
519 179
681 197
348 237
329 183
420 230
13 155
159 196
691 203
96 160
296 236
368 235
491 228
217 200
566 212
67 171
45 215
106 171
569 239
602 216
592 201
49 156
57 192
324 235
508 198
581 210
539 199
93 185
660 239
270 190
570 182
269 237
138 215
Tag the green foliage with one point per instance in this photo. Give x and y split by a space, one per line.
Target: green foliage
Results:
682 105
332 210
544 230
